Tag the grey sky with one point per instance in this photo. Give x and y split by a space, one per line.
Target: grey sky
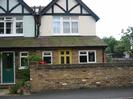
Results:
114 14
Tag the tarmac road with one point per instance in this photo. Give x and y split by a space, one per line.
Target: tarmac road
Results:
119 93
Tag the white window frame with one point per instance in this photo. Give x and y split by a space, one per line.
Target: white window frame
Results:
87 51
61 20
14 20
51 55
20 56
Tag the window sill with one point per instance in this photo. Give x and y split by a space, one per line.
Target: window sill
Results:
65 34
10 35
21 68
87 62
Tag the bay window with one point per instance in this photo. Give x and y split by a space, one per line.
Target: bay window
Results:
11 26
66 25
87 56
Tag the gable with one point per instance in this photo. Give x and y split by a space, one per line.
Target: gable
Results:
14 7
68 7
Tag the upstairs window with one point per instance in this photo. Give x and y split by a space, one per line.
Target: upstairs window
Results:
66 25
11 26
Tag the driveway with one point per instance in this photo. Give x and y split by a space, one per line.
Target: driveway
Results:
123 93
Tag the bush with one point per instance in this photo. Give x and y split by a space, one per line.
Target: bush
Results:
14 89
35 58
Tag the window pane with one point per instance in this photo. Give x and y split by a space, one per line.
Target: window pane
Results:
47 53
1 18
24 54
47 60
1 28
91 56
19 27
62 60
74 17
9 27
56 18
19 18
74 27
67 60
56 27
66 18
66 27
24 61
67 52
83 59
83 53
9 18
62 52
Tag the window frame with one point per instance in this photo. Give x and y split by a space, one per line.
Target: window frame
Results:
14 21
61 20
20 57
87 54
51 55
65 55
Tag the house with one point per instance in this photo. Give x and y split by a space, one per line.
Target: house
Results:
68 31
17 21
63 32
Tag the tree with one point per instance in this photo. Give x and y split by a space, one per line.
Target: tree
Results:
111 42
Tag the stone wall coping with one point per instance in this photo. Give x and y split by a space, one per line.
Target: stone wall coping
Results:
72 66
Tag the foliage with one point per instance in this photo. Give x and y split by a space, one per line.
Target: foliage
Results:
119 47
24 76
14 89
35 58
111 42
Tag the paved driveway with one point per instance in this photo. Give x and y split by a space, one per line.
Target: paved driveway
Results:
124 93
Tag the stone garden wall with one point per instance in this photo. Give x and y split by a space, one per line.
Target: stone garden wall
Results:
54 77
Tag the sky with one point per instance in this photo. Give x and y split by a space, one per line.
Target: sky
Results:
115 15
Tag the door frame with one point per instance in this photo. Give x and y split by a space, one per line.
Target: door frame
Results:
13 69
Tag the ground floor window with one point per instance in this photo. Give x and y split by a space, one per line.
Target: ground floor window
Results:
47 57
24 61
87 56
65 57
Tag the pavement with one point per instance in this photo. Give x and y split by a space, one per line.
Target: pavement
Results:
119 93
4 92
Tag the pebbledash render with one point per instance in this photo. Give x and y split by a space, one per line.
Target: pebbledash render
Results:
63 32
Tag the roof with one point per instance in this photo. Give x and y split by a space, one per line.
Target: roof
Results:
49 41
44 10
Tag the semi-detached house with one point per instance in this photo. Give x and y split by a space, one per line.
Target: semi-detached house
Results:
63 32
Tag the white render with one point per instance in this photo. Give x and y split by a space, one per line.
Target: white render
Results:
12 3
28 26
62 3
46 26
28 20
87 26
71 4
3 4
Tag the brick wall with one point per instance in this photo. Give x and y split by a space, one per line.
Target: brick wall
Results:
75 53
47 77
